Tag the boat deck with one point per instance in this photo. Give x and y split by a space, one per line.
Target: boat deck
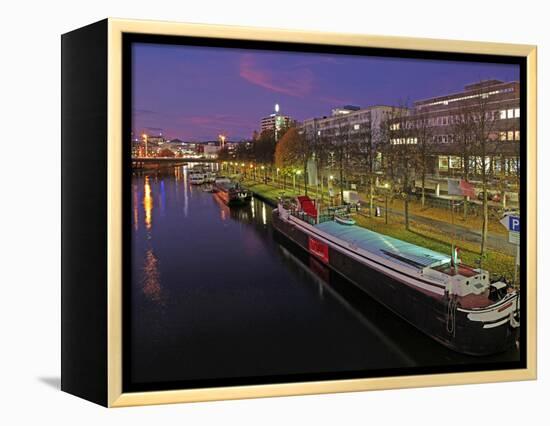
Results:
382 245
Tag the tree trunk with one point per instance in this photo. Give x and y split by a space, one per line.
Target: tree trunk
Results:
322 190
484 227
371 196
406 192
341 182
466 167
423 187
305 178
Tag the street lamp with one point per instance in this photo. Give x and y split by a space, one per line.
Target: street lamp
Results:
222 141
144 136
386 203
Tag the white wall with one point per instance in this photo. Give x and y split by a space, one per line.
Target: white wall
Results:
29 214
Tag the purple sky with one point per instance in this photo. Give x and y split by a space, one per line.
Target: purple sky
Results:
196 93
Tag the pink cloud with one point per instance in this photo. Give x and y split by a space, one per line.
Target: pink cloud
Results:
297 82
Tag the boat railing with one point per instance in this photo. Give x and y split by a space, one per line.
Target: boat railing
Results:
303 216
312 220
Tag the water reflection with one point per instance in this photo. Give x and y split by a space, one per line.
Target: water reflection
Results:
135 206
185 192
162 198
148 203
321 275
264 214
151 277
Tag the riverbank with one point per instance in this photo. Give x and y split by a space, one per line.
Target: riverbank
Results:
421 232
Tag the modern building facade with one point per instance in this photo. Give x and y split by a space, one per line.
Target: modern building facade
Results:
353 121
275 121
489 110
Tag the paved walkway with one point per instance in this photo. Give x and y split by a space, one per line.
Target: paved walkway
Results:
496 242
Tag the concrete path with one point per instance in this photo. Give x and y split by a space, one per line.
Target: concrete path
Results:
495 242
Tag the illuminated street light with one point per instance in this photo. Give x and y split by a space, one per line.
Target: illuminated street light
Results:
144 136
222 140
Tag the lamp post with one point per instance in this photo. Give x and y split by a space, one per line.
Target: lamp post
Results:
331 189
298 173
222 141
144 136
386 203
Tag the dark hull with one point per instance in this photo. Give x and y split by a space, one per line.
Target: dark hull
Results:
231 201
429 313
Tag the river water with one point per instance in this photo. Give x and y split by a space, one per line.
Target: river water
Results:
217 296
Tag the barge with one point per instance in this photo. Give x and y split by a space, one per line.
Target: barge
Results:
455 304
231 193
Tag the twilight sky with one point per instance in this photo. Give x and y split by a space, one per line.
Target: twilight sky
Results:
196 93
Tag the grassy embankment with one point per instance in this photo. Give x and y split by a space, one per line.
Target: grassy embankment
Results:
420 234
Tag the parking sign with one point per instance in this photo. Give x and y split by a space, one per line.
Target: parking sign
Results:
512 223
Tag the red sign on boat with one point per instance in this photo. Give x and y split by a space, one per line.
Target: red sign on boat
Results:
319 249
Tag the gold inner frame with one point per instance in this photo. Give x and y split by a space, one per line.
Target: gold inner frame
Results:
116 398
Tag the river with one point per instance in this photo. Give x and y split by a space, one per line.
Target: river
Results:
217 296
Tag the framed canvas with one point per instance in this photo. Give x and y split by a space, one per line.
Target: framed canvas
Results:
254 212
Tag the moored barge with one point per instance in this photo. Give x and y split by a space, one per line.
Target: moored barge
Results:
231 193
453 303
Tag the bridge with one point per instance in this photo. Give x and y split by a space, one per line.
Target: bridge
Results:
139 162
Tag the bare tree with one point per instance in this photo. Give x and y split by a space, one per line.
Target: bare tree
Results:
422 131
364 152
485 143
320 148
341 149
402 147
463 126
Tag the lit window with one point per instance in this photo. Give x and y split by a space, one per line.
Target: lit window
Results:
516 112
503 114
516 135
502 136
356 127
510 113
510 135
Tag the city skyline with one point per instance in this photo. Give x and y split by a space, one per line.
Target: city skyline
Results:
196 93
